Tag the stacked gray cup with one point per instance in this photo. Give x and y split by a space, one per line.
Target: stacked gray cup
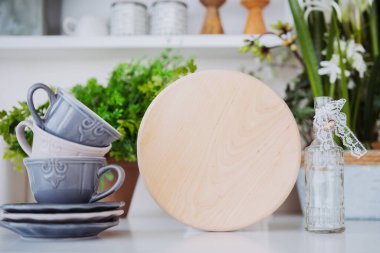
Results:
66 158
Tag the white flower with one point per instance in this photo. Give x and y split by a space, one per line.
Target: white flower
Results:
352 48
353 55
351 84
345 9
349 5
359 64
352 11
363 5
325 6
349 48
332 69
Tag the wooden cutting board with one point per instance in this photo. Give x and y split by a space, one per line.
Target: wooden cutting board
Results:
219 150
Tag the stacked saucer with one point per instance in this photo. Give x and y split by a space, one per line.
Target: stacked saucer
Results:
64 165
57 221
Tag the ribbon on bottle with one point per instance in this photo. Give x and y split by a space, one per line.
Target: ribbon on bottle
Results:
330 117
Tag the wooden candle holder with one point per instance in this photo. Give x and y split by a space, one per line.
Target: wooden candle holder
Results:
255 21
212 23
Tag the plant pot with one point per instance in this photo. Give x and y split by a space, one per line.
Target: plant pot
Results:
125 193
361 186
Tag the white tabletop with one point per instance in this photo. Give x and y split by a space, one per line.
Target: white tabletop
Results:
163 234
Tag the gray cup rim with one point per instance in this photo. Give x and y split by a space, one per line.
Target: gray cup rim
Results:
67 159
79 105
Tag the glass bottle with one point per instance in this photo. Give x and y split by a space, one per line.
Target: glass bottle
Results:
324 190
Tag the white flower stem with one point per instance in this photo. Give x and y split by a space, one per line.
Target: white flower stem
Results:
332 90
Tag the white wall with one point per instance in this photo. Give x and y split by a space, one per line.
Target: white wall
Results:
17 74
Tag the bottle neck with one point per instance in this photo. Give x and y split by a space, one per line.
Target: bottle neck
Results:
328 132
328 129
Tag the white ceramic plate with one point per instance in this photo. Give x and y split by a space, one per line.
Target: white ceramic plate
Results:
61 217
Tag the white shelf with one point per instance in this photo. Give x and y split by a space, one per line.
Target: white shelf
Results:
148 41
211 45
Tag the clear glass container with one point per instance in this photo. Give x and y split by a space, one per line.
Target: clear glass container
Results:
324 189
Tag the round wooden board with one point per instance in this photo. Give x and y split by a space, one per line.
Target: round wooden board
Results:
219 150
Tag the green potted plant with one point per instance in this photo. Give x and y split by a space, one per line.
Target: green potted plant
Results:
122 102
337 46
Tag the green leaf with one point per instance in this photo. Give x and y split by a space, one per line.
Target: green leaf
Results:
109 176
370 114
318 28
3 114
8 122
192 66
374 26
330 48
343 79
244 49
307 48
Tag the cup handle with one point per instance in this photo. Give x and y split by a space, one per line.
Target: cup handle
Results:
69 25
52 98
20 135
120 179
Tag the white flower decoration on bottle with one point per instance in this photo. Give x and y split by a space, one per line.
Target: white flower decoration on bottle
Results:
330 117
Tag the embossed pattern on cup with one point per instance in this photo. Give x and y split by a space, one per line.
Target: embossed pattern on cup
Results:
69 119
46 144
69 180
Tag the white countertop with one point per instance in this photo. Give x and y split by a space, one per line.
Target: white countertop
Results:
163 234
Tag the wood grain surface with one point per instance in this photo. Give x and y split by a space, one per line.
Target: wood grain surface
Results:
219 150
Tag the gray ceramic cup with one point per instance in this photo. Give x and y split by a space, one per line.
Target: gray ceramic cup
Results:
69 119
69 180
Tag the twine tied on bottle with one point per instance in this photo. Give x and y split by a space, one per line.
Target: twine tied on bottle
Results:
329 117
